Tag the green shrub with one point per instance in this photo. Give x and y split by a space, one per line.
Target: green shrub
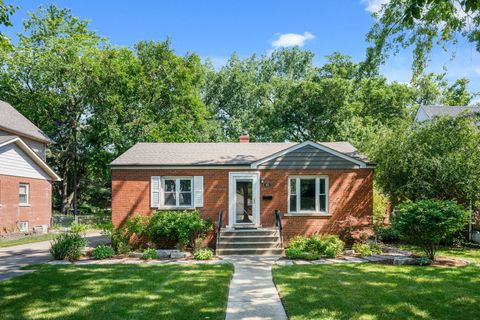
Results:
121 238
183 227
79 228
103 252
203 254
423 261
297 242
68 246
387 234
315 246
376 248
123 248
149 253
427 222
295 254
380 206
362 249
332 246
365 249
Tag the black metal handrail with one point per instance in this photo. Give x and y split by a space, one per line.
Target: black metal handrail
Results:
278 223
219 225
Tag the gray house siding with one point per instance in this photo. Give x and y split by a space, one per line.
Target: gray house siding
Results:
37 146
308 157
14 162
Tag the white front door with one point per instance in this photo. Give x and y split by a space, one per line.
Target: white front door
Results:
243 196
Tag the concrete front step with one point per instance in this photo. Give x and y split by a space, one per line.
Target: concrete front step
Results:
247 232
250 251
250 245
262 241
225 239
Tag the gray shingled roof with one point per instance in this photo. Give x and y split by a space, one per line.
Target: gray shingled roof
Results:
13 121
198 154
433 111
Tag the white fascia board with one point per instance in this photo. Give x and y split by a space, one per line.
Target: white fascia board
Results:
33 155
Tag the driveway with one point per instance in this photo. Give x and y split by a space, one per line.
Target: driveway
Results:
12 259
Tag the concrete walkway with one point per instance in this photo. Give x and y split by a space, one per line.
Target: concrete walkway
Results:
252 293
12 259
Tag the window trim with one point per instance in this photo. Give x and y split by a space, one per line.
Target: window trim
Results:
177 192
317 210
27 185
26 224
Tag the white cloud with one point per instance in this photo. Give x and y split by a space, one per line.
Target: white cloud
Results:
292 39
373 6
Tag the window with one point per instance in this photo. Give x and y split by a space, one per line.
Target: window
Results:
23 226
308 194
177 192
23 191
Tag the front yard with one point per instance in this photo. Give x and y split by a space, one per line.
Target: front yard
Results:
117 292
372 291
27 239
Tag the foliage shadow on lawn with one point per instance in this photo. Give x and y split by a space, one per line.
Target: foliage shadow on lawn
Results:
369 291
117 292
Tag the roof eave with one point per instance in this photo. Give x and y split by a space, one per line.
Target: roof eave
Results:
47 140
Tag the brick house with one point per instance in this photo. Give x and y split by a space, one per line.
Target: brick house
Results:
318 187
25 178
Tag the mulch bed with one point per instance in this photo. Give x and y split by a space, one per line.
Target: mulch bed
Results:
449 262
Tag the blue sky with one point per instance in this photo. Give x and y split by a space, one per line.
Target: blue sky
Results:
216 29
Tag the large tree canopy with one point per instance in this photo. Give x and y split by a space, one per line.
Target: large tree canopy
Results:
96 100
421 24
436 159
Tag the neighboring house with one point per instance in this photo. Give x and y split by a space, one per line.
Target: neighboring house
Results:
318 187
429 112
25 178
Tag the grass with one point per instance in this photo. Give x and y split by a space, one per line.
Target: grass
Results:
373 291
469 254
117 292
27 239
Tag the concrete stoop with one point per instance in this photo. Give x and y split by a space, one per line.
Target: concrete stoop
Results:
263 241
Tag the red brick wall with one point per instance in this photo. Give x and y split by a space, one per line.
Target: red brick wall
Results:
39 210
350 197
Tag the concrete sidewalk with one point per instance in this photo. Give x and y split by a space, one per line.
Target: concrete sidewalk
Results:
12 259
252 292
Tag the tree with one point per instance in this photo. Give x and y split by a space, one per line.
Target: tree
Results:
6 10
96 101
430 89
427 222
46 77
437 159
421 24
170 92
284 96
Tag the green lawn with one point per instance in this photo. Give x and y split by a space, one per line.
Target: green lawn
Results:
469 254
117 292
27 239
372 291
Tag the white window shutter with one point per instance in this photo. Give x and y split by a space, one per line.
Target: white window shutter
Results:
155 187
198 191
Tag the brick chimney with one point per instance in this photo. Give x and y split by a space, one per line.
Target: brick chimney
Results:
244 138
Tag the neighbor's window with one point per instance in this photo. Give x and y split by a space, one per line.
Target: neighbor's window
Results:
23 191
308 194
177 192
23 226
